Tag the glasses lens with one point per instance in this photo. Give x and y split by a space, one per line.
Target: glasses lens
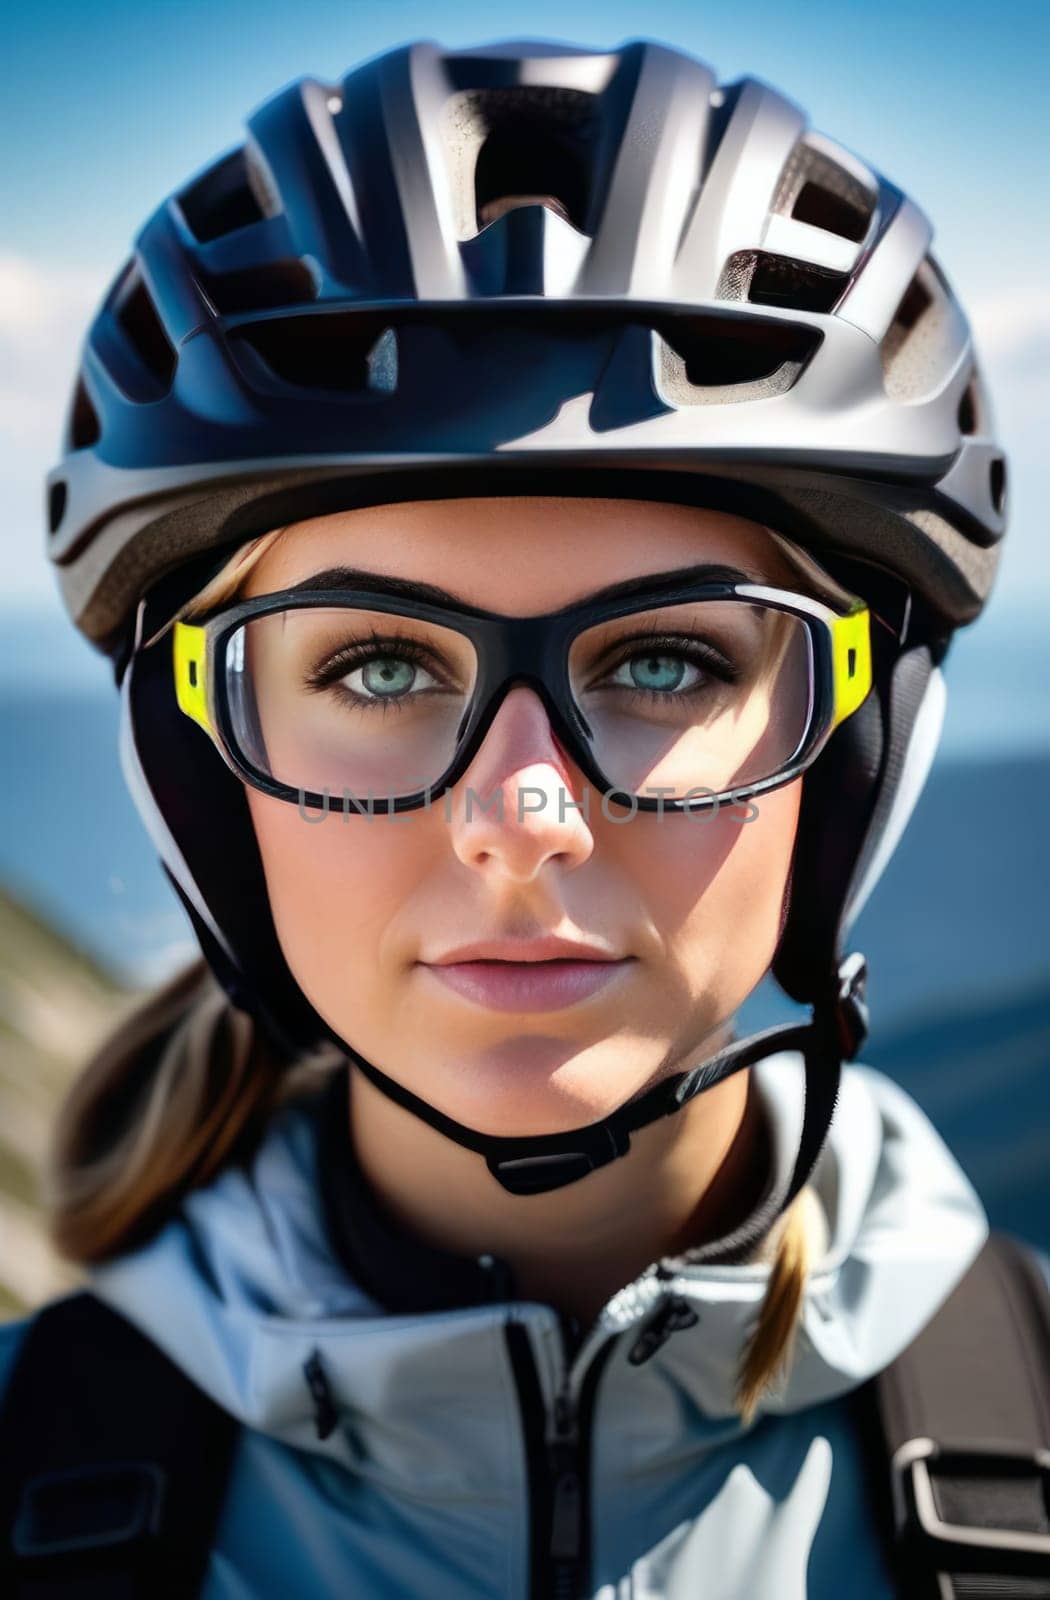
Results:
704 696
361 703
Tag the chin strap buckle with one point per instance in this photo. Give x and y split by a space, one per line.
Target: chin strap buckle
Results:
850 1006
562 1158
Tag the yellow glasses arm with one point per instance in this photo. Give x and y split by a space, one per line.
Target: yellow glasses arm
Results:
191 687
851 658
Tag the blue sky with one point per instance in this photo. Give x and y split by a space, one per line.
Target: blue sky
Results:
107 107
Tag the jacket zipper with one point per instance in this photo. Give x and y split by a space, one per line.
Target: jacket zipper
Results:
567 1467
558 1449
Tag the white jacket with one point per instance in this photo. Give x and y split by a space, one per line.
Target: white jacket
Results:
436 1480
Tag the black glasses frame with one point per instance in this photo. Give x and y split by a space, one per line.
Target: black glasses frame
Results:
533 651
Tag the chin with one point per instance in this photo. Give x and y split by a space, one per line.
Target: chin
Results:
539 1084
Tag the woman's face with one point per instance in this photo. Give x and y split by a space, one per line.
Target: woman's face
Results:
367 905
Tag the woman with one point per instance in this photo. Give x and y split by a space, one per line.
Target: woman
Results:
525 548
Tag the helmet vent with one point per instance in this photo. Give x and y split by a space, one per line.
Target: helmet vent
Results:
525 144
916 302
137 316
720 361
84 427
341 356
262 288
997 484
972 407
823 209
924 337
232 194
57 499
770 280
819 191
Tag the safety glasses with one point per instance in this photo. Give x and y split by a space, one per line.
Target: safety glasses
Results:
680 697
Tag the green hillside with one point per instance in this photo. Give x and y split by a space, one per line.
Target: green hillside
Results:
56 1004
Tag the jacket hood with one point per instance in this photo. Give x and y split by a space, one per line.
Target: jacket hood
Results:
242 1289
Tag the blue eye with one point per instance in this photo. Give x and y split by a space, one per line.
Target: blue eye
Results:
659 673
387 675
369 673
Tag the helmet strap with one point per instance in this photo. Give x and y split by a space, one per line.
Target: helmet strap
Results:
539 1163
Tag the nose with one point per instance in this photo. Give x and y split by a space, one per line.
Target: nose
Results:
521 803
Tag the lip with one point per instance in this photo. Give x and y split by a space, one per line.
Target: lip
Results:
548 948
527 985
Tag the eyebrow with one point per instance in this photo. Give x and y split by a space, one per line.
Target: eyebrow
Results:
334 578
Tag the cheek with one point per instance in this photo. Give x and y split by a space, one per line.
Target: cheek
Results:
345 897
714 886
335 887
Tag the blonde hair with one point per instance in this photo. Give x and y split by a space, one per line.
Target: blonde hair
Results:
137 1132
770 1349
230 579
143 1125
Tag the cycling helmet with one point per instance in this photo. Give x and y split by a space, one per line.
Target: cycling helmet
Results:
531 267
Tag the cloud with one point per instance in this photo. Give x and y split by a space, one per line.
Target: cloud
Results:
1013 329
1012 338
45 310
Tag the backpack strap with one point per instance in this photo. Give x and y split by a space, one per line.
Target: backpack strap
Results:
113 1464
965 1418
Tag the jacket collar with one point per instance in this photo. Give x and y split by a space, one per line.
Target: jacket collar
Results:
244 1286
404 1273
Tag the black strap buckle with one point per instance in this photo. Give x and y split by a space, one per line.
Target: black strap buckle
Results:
581 1153
965 1471
87 1508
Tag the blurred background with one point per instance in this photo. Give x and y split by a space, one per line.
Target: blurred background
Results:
109 107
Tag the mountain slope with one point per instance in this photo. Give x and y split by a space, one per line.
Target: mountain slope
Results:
55 1005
